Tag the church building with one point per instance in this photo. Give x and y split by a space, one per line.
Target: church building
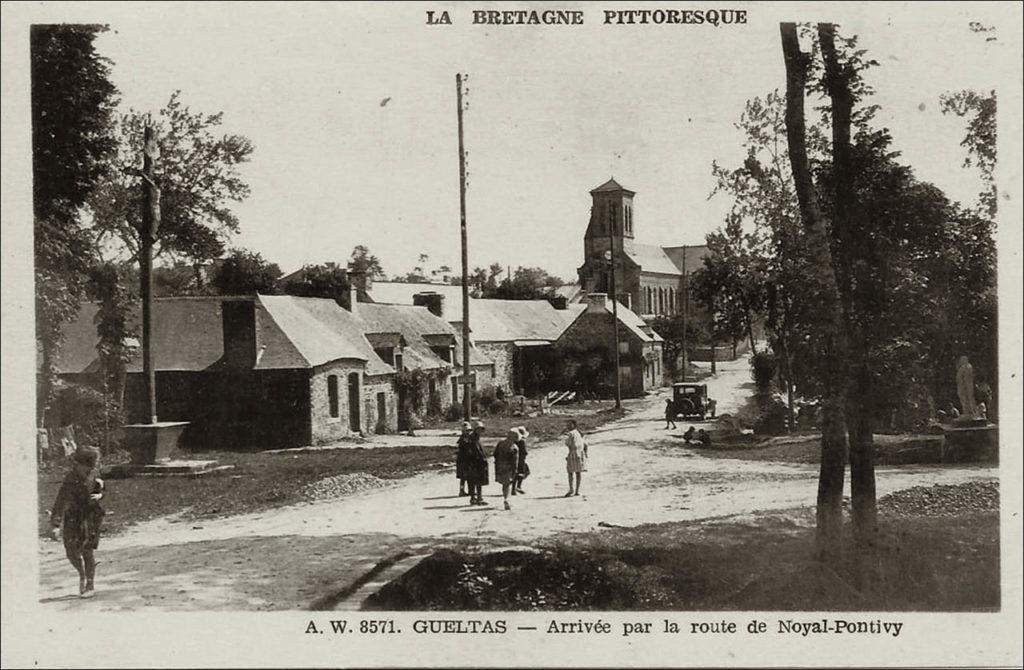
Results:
649 279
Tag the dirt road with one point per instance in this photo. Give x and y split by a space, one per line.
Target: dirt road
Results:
289 557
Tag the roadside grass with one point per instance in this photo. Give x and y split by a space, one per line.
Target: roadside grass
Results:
258 481
805 447
923 564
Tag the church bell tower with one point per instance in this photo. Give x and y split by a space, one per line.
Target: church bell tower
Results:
611 216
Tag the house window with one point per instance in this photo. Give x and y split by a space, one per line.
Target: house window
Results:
332 395
623 347
398 362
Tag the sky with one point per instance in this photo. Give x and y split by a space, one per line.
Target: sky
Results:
553 112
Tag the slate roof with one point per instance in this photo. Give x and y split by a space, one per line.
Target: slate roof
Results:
512 320
323 331
401 293
694 256
571 292
188 335
611 186
651 258
627 317
414 323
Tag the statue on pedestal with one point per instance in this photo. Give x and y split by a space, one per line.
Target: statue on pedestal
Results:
965 388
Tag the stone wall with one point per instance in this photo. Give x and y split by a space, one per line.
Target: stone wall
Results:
372 420
502 353
658 282
594 330
324 427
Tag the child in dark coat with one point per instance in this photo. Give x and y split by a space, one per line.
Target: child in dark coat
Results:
670 414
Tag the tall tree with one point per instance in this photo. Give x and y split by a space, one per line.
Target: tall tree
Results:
72 104
526 284
829 333
321 281
853 270
365 264
731 283
980 139
199 178
245 272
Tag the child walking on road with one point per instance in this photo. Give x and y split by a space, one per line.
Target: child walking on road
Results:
523 470
670 414
506 463
477 467
576 459
77 514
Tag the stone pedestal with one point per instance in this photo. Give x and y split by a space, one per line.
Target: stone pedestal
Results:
150 443
971 441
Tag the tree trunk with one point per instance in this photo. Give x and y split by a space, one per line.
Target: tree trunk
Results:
849 249
832 343
787 362
750 333
862 462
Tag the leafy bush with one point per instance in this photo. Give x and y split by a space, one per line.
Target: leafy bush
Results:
96 417
772 420
762 370
454 412
485 399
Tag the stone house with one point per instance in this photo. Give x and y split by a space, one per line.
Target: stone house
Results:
506 331
591 331
413 340
249 372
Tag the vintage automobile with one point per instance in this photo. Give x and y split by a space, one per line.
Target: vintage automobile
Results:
691 400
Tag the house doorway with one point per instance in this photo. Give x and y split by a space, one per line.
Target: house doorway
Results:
403 412
382 413
353 402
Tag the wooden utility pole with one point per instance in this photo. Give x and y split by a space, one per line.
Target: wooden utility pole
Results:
467 401
147 233
684 305
615 306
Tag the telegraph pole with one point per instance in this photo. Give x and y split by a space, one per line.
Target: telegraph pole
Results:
615 307
467 404
685 301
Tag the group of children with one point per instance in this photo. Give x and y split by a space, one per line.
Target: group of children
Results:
510 467
690 435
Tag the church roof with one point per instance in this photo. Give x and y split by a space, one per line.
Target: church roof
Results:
611 186
667 260
694 254
652 258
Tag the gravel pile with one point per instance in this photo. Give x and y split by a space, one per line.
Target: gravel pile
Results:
942 499
339 486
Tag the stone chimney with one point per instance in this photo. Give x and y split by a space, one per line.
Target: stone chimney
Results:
353 297
434 302
559 302
238 318
597 302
